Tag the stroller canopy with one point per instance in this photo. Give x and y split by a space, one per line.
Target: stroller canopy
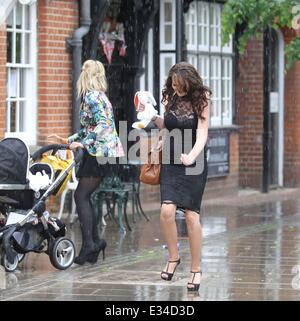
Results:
14 161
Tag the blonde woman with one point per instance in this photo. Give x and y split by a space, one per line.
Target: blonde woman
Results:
98 137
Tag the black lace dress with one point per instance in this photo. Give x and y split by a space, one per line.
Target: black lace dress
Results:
179 184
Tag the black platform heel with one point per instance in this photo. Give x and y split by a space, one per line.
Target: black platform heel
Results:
94 256
169 275
195 286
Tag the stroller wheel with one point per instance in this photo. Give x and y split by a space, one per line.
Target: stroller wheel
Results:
62 253
8 266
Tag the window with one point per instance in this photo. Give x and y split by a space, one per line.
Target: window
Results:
167 57
21 73
146 79
214 63
167 25
167 60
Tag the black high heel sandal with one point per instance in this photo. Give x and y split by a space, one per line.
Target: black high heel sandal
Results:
94 256
169 275
195 286
84 256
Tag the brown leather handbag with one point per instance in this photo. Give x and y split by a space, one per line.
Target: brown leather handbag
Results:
150 172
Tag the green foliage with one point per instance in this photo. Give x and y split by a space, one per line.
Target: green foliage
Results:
292 52
253 16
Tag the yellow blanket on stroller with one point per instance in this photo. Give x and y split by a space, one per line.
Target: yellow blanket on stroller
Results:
58 164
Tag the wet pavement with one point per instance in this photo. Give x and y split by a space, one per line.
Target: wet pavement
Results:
251 251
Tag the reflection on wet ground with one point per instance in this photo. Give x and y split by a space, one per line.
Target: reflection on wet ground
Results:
250 252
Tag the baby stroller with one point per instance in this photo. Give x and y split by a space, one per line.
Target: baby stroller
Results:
26 225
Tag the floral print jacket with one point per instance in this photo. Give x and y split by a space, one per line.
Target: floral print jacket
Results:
98 133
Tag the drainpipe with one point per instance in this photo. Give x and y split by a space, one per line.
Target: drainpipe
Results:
76 45
266 112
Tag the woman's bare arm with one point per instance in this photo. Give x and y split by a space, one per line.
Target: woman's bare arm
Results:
159 122
202 134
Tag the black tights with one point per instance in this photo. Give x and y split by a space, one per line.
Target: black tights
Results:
86 214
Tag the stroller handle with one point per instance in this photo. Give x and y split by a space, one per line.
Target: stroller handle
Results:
55 147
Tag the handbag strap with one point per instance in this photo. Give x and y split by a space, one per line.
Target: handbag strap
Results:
159 157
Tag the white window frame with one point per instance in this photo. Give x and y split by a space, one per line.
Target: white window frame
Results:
227 91
193 60
204 66
143 76
164 73
149 68
215 27
209 56
192 28
30 96
163 23
215 86
150 61
203 22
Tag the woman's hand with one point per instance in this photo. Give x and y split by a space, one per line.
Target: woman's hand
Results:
187 159
76 145
55 139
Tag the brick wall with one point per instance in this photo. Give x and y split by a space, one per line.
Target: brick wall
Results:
57 20
291 122
2 79
249 113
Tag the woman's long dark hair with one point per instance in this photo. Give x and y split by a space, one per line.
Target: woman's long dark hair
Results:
191 83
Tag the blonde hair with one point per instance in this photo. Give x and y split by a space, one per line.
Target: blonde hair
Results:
92 77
